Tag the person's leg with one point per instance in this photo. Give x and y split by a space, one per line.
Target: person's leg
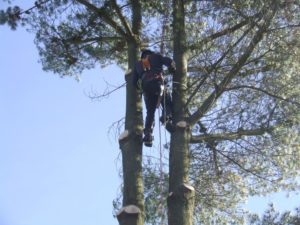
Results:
151 94
150 108
150 102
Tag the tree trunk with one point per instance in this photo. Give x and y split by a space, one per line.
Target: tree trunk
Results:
130 141
181 194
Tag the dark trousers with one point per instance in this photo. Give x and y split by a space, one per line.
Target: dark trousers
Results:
152 92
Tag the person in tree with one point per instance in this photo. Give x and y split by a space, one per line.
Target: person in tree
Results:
148 75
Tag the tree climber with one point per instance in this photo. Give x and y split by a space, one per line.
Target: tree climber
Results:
148 75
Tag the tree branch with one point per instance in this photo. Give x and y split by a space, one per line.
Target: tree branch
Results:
215 65
78 40
199 69
37 4
122 18
285 27
227 30
242 167
96 96
219 34
105 16
228 136
264 91
207 104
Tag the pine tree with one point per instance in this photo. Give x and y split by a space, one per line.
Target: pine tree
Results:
273 217
235 94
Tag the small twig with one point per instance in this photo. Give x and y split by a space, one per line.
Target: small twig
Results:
106 93
115 128
36 5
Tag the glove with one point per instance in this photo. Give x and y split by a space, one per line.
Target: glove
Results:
171 70
139 84
172 67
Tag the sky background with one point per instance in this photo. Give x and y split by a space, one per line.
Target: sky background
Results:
58 163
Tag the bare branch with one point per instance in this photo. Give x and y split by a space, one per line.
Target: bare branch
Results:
116 127
122 18
228 136
105 94
285 27
227 30
242 167
265 92
78 40
220 34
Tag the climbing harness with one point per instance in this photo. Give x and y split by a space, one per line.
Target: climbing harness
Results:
149 76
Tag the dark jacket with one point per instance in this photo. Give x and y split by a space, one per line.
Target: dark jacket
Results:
157 62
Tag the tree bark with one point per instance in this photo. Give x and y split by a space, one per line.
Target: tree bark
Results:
131 141
181 194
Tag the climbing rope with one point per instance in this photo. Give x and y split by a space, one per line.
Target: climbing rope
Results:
161 175
160 208
161 178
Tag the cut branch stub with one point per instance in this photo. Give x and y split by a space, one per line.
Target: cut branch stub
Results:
182 125
128 76
188 188
124 137
128 72
128 214
181 205
183 190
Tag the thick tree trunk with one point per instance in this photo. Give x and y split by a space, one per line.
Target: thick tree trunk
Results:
130 141
181 194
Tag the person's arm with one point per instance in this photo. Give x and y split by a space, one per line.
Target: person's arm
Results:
169 63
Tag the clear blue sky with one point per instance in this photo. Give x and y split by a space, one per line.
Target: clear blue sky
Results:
58 165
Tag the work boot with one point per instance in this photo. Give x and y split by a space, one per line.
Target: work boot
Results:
169 126
165 119
148 139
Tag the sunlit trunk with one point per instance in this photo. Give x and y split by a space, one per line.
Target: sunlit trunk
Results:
130 141
181 194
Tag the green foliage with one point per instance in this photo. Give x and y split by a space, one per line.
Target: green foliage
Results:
69 37
261 95
155 193
11 17
272 217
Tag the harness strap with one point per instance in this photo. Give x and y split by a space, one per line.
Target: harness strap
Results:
147 76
